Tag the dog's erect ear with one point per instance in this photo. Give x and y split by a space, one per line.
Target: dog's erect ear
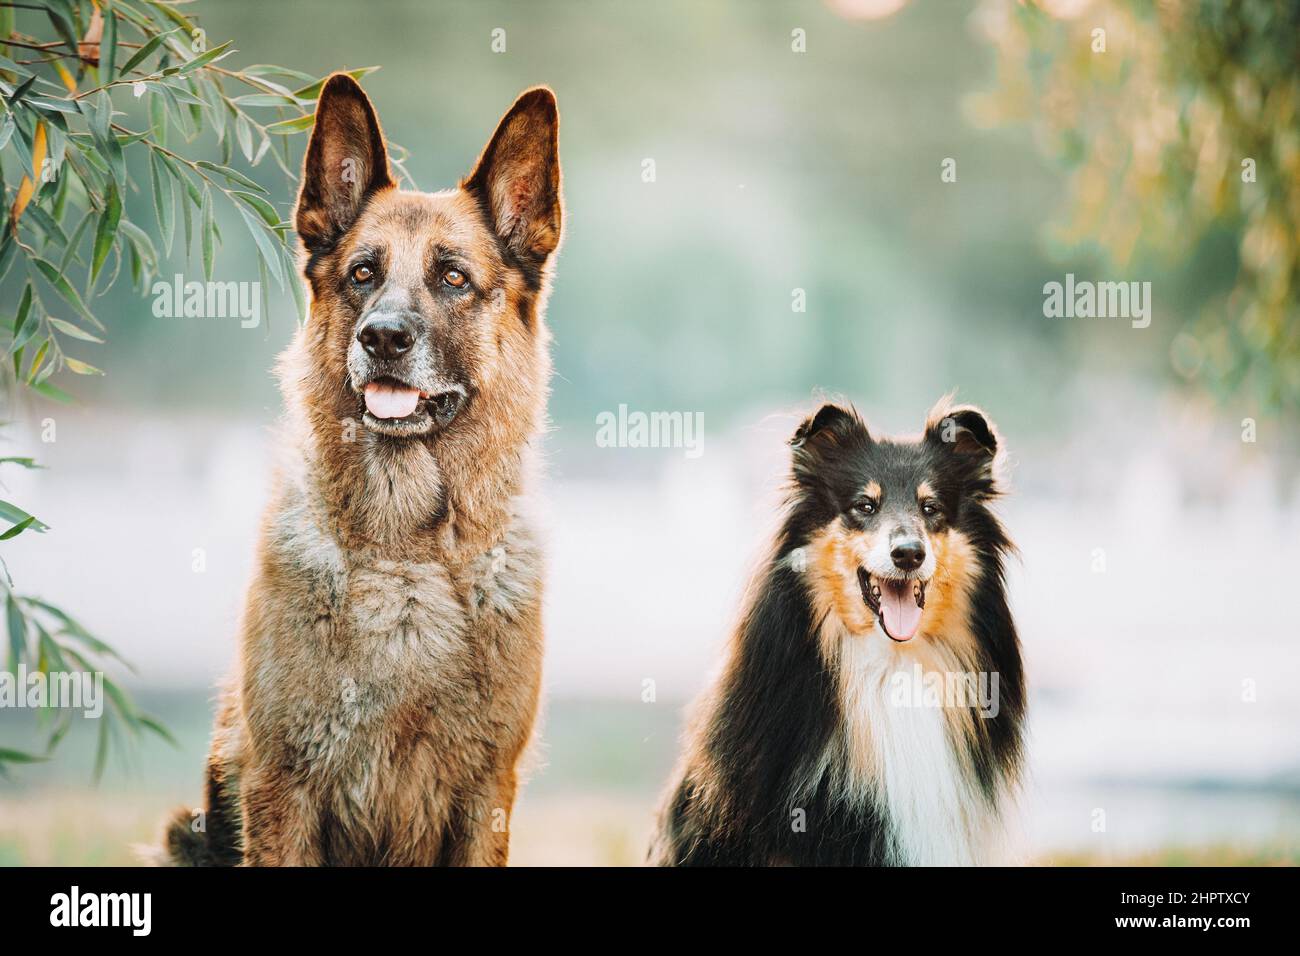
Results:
345 163
828 426
967 433
819 436
517 179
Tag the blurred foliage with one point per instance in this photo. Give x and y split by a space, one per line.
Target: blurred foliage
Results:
70 154
776 170
1186 123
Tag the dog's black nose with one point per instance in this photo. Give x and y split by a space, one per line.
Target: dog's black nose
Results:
908 554
386 337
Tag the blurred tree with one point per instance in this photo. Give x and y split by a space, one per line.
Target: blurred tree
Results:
68 156
1177 120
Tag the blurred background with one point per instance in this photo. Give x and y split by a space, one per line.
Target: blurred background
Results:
760 210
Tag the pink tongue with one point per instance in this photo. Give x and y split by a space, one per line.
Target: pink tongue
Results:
389 401
899 610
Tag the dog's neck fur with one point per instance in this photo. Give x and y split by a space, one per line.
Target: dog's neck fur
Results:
445 498
912 762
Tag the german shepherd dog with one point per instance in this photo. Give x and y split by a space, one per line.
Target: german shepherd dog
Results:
851 723
391 642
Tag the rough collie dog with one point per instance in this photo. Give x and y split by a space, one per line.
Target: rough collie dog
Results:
391 645
870 707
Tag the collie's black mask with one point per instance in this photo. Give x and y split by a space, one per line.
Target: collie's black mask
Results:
880 519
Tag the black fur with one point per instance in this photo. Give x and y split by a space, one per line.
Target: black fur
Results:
775 710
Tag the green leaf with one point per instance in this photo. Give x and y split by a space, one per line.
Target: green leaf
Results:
22 318
141 243
60 731
295 286
268 99
290 126
64 288
108 44
187 216
158 117
8 249
153 724
21 91
17 623
207 233
123 703
164 200
72 629
17 756
56 106
261 149
62 26
101 749
312 91
17 529
106 231
72 254
12 512
234 176
67 328
215 100
244 134
173 15
270 69
78 367
145 51
268 248
98 110
180 94
53 231
52 656
52 392
262 207
203 59
25 462
36 362
97 646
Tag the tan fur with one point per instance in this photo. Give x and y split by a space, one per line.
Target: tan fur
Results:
390 655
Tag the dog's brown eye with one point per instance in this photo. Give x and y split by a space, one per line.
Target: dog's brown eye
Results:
929 509
866 506
455 278
362 274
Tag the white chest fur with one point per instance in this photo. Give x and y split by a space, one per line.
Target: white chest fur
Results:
903 757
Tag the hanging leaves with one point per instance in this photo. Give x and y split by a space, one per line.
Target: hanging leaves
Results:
120 80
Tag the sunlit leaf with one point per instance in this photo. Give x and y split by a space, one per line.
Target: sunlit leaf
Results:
67 328
312 91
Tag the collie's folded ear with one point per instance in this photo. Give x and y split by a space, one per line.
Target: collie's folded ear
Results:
833 427
968 434
517 179
346 161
